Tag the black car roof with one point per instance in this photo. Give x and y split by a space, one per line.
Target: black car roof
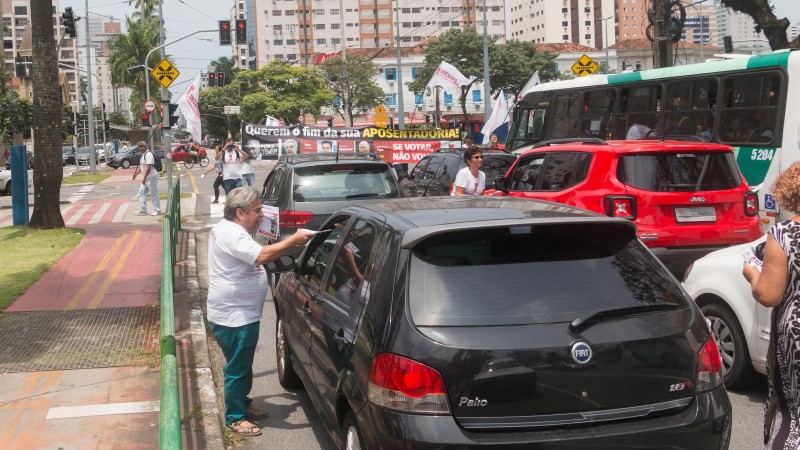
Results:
421 217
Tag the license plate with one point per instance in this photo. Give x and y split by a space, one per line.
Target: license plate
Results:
697 214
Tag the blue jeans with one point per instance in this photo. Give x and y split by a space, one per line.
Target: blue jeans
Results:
231 184
238 344
249 178
151 187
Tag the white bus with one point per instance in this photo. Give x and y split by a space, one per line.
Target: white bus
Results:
744 102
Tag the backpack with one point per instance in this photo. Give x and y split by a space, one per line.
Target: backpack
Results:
157 163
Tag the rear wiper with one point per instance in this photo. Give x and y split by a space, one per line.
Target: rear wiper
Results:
365 194
605 313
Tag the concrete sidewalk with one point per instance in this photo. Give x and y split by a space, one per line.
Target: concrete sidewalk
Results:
80 365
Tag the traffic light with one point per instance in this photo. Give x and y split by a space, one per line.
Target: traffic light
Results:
212 79
728 41
173 117
241 31
224 32
145 120
68 19
220 78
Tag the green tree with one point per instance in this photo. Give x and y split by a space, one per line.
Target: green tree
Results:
353 81
515 62
227 66
129 50
287 92
47 161
213 101
145 7
116 118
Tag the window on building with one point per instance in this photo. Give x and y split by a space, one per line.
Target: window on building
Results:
289 12
277 12
20 10
391 74
392 99
319 26
336 26
321 41
336 41
419 99
277 42
476 96
448 99
413 73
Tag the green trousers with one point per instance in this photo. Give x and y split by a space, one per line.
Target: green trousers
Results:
238 344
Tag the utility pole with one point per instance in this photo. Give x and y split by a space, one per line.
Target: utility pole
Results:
89 106
662 49
166 140
401 124
487 89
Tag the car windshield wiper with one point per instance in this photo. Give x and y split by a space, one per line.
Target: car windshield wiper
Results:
605 313
362 195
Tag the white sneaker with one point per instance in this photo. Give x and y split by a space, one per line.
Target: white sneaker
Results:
140 213
157 213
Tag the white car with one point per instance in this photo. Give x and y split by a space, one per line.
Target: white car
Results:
741 324
5 182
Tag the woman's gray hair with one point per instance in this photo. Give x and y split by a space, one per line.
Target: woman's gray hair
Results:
239 198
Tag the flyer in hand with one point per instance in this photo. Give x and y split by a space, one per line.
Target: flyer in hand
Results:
270 221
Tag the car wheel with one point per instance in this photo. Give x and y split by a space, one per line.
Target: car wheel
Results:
8 188
287 377
126 163
351 433
736 366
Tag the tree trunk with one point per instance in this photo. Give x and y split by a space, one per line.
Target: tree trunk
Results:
47 167
774 29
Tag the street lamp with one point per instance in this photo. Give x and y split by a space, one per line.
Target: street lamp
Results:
605 38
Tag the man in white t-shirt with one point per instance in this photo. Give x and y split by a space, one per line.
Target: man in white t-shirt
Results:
236 293
232 157
149 181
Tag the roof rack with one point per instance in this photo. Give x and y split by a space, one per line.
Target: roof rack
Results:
328 156
594 141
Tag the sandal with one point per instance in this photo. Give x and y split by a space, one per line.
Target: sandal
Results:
255 413
243 430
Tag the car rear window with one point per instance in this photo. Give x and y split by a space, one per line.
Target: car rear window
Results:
532 275
680 172
343 182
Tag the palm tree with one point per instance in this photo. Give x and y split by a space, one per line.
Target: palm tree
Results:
128 51
225 65
145 7
47 172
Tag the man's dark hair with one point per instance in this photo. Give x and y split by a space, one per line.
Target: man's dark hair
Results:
472 151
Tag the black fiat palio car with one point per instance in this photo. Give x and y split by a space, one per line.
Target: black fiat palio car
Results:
471 322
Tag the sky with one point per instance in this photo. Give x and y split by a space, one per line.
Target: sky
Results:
193 54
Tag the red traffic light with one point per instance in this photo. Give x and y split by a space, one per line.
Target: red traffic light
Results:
145 116
225 25
240 24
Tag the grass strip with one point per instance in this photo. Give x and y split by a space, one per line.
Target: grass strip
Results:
29 253
86 177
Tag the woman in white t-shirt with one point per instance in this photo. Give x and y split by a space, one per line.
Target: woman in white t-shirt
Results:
470 180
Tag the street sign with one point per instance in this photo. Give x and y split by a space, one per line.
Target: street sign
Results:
380 119
585 66
232 109
165 73
149 106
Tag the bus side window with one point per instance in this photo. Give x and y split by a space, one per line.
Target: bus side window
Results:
642 107
597 114
750 113
564 122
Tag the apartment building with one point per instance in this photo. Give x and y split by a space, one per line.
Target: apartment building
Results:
589 23
298 30
742 29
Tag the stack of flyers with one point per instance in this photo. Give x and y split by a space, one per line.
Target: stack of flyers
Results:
751 259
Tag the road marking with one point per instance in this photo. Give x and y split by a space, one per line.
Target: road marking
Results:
78 214
120 213
194 185
99 214
64 412
73 303
98 297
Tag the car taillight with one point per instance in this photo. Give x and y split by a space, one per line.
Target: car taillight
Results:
623 207
750 203
709 366
402 384
294 218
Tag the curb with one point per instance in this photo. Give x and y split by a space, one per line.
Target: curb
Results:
212 424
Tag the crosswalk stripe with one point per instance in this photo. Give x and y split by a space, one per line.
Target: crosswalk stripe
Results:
120 213
99 214
77 216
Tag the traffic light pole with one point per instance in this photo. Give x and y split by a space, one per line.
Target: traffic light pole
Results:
89 106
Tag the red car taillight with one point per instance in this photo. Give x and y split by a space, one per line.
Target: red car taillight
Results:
709 366
295 218
750 203
402 384
623 207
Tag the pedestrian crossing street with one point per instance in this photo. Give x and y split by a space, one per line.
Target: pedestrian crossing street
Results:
83 213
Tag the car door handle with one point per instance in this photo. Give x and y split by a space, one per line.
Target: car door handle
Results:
340 339
306 309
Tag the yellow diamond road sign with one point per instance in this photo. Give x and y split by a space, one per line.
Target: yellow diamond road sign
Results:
585 66
381 118
165 73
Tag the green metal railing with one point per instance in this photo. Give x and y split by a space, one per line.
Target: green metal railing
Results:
170 415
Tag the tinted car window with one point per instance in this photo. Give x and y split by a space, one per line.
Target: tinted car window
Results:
343 182
527 173
496 165
316 264
563 170
349 271
432 168
419 168
679 172
533 274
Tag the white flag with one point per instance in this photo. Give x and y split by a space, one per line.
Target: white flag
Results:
272 122
531 83
497 119
190 108
447 77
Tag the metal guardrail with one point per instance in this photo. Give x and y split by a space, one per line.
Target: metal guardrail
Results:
170 411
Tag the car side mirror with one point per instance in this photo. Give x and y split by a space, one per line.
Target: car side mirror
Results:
284 263
502 184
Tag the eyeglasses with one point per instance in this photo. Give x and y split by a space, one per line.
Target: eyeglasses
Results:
477 157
